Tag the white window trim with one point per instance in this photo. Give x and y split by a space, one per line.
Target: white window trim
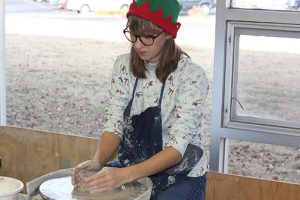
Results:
2 65
253 133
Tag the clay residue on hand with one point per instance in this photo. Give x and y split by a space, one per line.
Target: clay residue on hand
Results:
82 175
127 191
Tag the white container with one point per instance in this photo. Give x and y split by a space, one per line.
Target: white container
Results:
10 188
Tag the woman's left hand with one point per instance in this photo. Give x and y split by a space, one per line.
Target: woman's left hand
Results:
107 179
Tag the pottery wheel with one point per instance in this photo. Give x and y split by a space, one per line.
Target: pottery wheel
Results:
62 189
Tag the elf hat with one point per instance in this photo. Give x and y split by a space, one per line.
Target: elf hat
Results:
163 13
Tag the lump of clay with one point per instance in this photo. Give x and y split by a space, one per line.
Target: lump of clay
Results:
84 174
81 176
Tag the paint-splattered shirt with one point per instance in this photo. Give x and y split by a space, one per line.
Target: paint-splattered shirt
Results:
182 106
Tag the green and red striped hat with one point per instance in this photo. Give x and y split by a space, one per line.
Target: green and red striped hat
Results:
163 13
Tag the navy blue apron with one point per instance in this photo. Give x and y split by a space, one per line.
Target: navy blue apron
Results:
142 138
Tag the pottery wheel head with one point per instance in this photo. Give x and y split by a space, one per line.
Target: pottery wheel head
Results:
62 189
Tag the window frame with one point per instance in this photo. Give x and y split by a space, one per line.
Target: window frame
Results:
223 128
2 66
231 119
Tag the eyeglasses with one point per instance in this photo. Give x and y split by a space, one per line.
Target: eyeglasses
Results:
146 40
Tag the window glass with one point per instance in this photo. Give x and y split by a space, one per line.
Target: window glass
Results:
264 161
268 78
267 4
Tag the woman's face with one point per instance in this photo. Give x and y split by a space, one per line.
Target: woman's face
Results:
151 53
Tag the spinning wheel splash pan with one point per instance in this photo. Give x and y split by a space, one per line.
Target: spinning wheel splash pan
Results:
62 189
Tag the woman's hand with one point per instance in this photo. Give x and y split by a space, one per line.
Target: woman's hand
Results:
82 168
107 179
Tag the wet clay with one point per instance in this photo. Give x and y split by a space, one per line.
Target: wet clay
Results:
84 174
62 188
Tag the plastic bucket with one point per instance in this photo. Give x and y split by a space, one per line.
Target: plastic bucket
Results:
10 188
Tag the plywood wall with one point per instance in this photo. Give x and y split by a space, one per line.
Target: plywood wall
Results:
27 154
231 187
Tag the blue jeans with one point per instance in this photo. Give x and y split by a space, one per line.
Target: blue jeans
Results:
189 188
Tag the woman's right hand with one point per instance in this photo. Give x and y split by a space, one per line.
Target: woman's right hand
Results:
81 168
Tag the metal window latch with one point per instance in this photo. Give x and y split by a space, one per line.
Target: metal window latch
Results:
234 98
226 110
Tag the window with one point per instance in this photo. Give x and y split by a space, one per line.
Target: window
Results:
263 74
256 81
281 164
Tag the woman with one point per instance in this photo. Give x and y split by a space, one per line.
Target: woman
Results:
154 114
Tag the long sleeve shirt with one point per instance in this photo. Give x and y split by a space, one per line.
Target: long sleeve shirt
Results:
182 106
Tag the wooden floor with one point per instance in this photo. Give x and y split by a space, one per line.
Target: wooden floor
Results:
27 154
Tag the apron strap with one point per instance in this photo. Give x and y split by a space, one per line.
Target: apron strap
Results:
128 108
134 87
161 93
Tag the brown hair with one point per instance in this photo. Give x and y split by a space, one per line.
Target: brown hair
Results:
170 53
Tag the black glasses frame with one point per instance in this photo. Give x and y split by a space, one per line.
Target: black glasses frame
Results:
139 37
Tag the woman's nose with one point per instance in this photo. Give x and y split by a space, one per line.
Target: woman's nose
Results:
138 43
